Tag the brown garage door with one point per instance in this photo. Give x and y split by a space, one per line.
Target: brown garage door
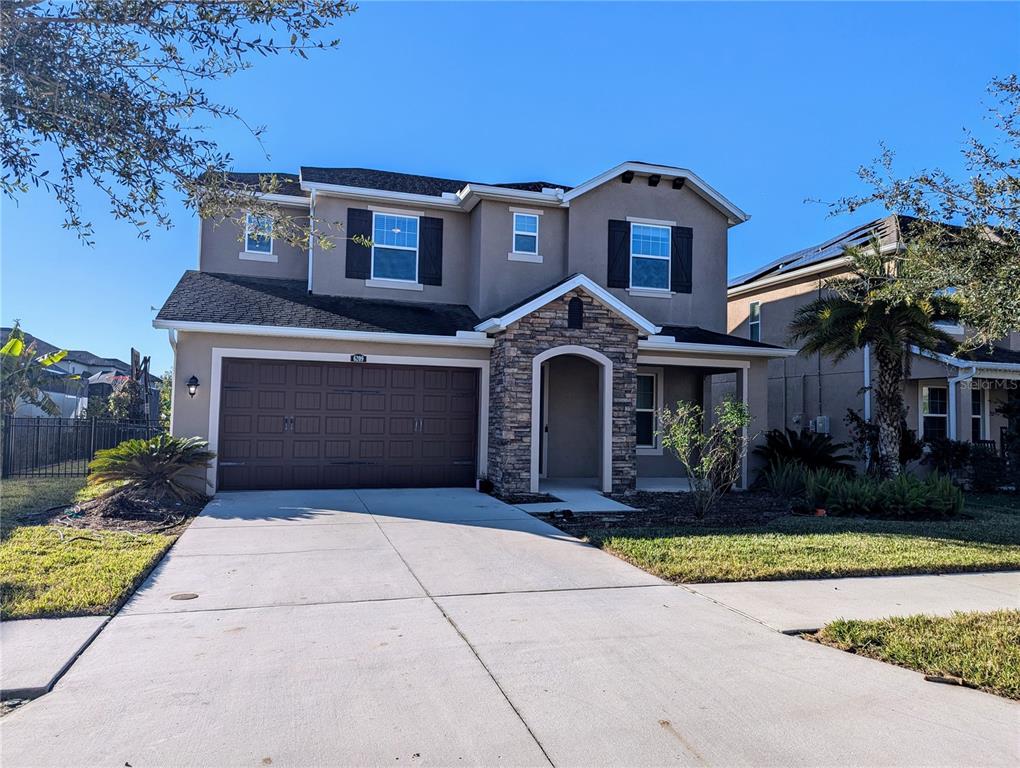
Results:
342 425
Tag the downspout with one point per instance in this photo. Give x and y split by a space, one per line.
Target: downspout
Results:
311 239
953 382
867 382
171 335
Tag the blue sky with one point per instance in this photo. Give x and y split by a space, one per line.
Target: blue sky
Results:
770 103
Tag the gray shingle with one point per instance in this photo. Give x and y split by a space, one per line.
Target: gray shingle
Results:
208 297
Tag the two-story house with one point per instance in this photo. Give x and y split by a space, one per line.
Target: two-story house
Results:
508 332
947 394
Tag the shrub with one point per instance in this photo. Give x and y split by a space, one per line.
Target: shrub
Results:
904 497
785 479
853 497
152 467
947 456
713 456
811 449
988 470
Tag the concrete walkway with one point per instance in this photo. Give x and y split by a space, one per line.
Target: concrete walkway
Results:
445 628
811 604
35 652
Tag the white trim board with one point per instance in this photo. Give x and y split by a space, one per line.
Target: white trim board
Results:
462 339
596 291
219 353
605 409
660 344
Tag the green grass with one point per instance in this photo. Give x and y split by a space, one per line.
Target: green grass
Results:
981 649
22 497
48 570
807 547
51 571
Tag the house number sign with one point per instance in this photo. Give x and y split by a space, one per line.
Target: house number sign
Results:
359 358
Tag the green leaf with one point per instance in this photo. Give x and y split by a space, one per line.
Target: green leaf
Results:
13 348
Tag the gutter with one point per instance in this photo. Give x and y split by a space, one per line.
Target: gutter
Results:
461 339
669 344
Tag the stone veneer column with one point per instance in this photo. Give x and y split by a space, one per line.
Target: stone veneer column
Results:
510 387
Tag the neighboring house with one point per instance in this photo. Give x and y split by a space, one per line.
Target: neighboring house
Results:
508 332
947 394
78 376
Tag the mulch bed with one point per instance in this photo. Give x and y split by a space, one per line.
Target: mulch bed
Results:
658 510
126 512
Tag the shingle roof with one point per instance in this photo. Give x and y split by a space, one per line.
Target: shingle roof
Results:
208 297
888 230
82 356
287 183
982 354
693 334
390 181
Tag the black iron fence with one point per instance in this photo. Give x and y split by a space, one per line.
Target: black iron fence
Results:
46 447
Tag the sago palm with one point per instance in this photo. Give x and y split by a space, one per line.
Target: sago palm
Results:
155 468
852 316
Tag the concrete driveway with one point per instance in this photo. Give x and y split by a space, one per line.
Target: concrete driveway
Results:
445 628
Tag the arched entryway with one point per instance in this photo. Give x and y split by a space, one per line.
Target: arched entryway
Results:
581 440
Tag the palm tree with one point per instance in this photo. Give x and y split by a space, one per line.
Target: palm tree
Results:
23 374
854 315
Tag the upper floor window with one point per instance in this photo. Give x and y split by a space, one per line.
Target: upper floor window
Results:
258 233
394 247
525 233
649 256
754 321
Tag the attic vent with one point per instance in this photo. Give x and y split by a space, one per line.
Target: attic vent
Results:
575 313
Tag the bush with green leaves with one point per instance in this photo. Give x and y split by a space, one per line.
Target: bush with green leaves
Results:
811 449
785 479
154 468
947 456
712 455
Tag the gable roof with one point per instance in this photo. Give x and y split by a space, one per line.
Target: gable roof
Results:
523 308
213 298
889 230
668 173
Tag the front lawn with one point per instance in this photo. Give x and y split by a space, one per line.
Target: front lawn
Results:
59 570
51 571
980 649
986 538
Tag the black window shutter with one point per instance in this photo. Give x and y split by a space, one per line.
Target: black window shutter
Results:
619 254
682 260
430 251
359 257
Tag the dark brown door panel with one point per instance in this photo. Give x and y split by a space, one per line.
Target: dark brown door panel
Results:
306 424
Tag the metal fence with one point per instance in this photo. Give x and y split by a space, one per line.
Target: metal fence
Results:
47 447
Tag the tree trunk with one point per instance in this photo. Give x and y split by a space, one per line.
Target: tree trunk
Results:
889 397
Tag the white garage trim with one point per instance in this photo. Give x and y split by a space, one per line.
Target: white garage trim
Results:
219 353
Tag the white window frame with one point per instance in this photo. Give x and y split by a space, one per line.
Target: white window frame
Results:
752 324
668 258
383 281
534 234
982 417
924 409
248 216
655 449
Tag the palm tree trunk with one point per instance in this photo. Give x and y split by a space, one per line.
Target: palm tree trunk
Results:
889 397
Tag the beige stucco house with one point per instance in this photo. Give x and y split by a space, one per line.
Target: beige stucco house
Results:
514 333
948 394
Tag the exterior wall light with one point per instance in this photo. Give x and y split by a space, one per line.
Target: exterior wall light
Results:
192 385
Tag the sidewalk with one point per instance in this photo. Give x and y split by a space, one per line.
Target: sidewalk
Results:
812 603
36 652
